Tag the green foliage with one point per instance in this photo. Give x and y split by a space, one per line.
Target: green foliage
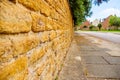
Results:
99 26
81 9
115 21
98 2
91 27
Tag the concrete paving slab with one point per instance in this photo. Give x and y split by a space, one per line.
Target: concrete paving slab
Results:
101 79
113 60
114 52
86 47
94 60
97 61
94 53
72 68
95 67
103 71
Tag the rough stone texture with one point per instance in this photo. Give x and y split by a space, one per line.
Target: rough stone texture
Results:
38 22
13 68
14 18
34 38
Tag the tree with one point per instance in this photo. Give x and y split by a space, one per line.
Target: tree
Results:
98 2
115 21
99 26
81 9
91 27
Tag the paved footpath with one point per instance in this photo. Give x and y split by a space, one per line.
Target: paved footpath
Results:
91 59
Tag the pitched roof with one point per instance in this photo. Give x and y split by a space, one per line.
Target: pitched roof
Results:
105 23
86 23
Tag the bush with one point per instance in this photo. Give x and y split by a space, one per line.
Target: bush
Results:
99 26
91 27
115 21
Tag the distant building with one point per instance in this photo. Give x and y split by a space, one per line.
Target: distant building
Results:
95 22
105 23
85 25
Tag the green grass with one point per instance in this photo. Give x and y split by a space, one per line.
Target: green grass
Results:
118 31
111 31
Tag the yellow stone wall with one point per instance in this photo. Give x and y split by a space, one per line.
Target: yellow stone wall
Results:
35 36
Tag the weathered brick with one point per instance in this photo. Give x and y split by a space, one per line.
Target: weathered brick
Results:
38 5
50 24
5 46
14 18
53 35
39 52
23 43
44 36
38 23
40 69
52 63
59 32
42 23
36 54
13 68
23 75
14 45
55 5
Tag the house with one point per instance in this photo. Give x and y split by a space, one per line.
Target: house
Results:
95 22
105 23
85 25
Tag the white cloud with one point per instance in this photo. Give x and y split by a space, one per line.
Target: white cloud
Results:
111 11
104 13
90 19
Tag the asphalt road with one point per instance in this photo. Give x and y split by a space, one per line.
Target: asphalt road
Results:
115 38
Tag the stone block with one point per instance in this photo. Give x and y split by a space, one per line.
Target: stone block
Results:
34 38
53 35
38 23
14 18
5 46
20 76
54 25
38 5
59 32
41 68
14 45
24 43
12 68
44 36
52 63
36 54
49 24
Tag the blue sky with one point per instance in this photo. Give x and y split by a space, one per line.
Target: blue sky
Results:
105 9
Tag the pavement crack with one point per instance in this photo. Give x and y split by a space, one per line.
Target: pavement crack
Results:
105 60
